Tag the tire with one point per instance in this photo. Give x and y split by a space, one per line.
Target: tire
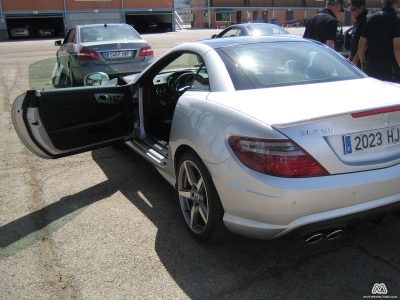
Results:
199 201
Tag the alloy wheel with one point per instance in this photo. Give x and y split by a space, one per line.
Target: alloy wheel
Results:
193 197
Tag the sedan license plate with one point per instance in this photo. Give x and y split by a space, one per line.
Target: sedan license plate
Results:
119 54
369 140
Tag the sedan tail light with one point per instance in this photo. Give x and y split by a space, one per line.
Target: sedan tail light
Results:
146 51
282 158
87 55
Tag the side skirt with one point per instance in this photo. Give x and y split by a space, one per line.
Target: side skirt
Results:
148 152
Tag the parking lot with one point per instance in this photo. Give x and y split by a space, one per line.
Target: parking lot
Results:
105 224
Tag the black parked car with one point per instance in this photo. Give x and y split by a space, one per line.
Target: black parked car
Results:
343 39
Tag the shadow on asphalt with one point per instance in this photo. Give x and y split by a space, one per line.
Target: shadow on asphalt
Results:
235 265
37 220
238 267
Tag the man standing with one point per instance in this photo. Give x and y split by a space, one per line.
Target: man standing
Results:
379 46
323 26
359 13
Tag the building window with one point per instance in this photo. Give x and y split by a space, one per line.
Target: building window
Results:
223 17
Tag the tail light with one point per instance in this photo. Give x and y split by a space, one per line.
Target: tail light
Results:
146 51
282 158
87 55
374 112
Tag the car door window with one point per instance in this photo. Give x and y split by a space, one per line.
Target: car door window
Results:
180 73
232 32
186 61
67 37
71 36
201 81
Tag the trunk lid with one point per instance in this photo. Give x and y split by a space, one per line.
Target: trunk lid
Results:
117 52
318 117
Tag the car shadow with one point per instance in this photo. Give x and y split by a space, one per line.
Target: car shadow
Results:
214 271
238 267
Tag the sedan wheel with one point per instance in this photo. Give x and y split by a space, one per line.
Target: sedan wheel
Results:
199 201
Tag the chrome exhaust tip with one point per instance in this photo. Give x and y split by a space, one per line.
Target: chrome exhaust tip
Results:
335 234
315 238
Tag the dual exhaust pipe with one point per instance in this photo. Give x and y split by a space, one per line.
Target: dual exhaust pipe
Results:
317 237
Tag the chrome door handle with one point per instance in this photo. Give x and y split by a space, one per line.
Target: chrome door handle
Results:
108 98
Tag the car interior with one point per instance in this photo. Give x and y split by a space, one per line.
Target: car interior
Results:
163 87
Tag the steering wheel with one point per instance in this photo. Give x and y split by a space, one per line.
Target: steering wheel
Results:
182 83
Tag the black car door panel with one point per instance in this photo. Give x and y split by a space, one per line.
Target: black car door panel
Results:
67 121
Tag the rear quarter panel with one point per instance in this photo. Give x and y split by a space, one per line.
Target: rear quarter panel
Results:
205 126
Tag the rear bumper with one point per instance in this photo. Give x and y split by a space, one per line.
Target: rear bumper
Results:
344 221
268 207
323 222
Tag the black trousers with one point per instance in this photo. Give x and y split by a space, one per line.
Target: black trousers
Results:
383 71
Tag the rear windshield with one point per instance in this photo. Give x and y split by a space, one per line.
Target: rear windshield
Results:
109 33
284 63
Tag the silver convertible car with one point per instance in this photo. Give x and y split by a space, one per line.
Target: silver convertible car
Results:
266 137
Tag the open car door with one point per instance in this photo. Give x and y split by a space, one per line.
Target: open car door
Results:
63 122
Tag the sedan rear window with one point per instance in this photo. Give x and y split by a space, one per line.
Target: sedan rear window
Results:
285 63
108 33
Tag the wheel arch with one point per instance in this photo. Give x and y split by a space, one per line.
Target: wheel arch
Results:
215 228
180 151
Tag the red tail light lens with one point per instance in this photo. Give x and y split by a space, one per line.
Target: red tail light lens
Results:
282 158
146 51
88 55
374 112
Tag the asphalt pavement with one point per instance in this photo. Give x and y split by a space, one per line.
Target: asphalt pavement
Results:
105 225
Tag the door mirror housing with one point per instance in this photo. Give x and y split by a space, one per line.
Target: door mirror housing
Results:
58 43
99 79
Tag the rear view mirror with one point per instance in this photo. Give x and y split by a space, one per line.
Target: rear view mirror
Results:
58 43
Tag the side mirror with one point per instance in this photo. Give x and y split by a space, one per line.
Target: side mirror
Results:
99 79
214 36
58 43
96 79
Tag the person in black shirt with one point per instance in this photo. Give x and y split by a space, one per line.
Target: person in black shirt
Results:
323 26
379 46
359 13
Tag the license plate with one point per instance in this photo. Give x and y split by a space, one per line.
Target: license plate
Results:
119 54
370 140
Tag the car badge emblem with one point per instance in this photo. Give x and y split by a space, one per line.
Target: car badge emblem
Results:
118 45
